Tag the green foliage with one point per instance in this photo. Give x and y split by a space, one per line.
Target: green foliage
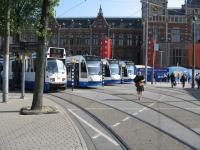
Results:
24 14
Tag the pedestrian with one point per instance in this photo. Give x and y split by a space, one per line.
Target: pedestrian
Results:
172 78
178 78
183 79
154 77
168 77
197 79
139 83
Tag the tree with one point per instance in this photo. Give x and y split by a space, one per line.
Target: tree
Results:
39 78
47 10
22 14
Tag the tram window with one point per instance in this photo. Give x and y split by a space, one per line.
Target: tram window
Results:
83 70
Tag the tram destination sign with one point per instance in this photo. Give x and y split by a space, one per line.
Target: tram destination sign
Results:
56 52
92 58
112 61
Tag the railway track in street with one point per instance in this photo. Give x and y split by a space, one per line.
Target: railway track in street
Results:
117 139
84 102
160 103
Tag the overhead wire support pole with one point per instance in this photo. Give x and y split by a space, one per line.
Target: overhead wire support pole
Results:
193 48
146 39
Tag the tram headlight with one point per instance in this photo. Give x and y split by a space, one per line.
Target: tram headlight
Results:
91 79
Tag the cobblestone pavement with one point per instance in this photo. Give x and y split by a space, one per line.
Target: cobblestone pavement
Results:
34 132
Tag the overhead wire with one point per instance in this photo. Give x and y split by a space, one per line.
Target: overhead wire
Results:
72 8
151 3
154 4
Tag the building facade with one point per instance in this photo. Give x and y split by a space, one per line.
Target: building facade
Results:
172 30
84 35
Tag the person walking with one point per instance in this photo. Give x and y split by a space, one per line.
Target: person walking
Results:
139 83
197 79
172 78
183 79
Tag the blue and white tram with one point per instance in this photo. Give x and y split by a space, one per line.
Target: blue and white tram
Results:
130 71
87 70
111 71
55 71
126 71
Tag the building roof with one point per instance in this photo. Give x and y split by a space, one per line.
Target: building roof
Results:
87 22
193 3
176 11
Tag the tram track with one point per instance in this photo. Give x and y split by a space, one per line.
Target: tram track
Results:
132 116
119 140
164 93
169 95
170 116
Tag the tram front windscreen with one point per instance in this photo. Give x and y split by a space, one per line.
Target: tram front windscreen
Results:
114 69
94 67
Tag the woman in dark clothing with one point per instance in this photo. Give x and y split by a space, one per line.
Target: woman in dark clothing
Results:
183 79
172 77
139 83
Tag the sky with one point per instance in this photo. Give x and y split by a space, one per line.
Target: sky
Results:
111 8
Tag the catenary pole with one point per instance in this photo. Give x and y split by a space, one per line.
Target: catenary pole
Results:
193 48
146 40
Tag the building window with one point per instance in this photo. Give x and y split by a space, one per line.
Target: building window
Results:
176 57
197 33
121 40
129 40
95 40
87 39
175 35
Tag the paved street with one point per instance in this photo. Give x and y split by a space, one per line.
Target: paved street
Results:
50 131
165 118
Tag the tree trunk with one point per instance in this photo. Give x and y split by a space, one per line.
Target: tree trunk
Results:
41 59
6 52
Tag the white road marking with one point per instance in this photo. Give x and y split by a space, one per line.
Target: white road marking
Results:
125 119
116 124
98 108
95 129
142 109
135 114
151 104
161 98
96 136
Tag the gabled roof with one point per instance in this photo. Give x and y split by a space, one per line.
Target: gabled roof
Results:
120 22
176 11
88 22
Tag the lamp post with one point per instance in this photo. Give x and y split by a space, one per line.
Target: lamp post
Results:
146 40
161 61
90 39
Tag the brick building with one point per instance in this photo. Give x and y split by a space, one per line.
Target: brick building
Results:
84 35
172 31
169 30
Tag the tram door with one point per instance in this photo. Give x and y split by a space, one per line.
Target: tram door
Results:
107 70
124 72
76 74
